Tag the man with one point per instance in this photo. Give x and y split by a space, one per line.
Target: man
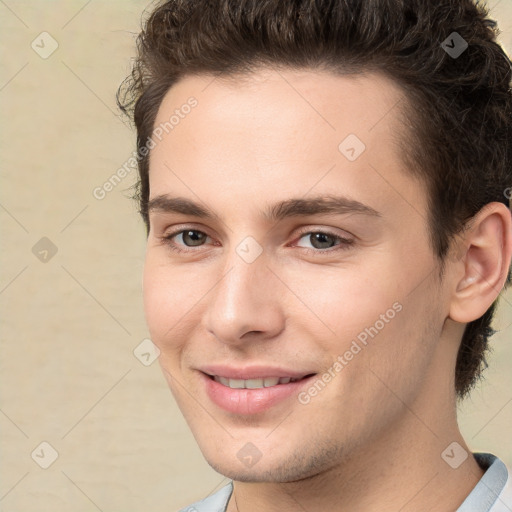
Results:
324 185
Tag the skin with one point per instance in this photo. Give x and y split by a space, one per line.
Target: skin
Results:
372 438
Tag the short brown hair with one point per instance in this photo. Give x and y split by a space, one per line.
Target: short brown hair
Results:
459 108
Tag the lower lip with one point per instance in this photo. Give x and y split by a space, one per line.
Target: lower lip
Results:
250 401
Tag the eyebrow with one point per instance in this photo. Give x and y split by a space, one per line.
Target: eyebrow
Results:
294 207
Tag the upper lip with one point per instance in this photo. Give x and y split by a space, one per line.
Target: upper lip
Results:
252 372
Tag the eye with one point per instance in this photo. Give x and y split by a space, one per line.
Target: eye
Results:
185 238
323 241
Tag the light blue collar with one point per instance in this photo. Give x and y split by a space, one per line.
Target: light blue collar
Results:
484 495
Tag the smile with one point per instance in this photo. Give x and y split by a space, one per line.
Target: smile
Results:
264 382
252 395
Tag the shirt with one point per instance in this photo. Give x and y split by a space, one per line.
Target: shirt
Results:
493 493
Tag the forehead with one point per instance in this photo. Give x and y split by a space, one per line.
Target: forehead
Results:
334 103
292 129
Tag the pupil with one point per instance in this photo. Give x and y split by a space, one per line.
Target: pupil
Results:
196 237
320 238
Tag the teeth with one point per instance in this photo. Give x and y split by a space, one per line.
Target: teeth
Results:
253 383
236 383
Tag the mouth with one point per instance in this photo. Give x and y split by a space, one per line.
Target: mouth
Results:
256 383
260 390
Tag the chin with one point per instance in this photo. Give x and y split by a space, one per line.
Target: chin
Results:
290 469
253 475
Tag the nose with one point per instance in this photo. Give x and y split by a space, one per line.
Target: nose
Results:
244 304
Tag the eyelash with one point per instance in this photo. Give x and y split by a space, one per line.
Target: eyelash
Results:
343 246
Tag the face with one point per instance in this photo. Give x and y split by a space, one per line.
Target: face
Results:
300 289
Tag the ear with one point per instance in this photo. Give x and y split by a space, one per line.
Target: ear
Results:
481 271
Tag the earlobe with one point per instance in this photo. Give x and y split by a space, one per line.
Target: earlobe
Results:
485 263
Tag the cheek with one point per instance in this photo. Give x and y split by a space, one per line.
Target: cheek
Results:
346 299
165 302
401 354
154 300
381 320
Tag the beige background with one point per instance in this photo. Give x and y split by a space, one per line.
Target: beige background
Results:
70 324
